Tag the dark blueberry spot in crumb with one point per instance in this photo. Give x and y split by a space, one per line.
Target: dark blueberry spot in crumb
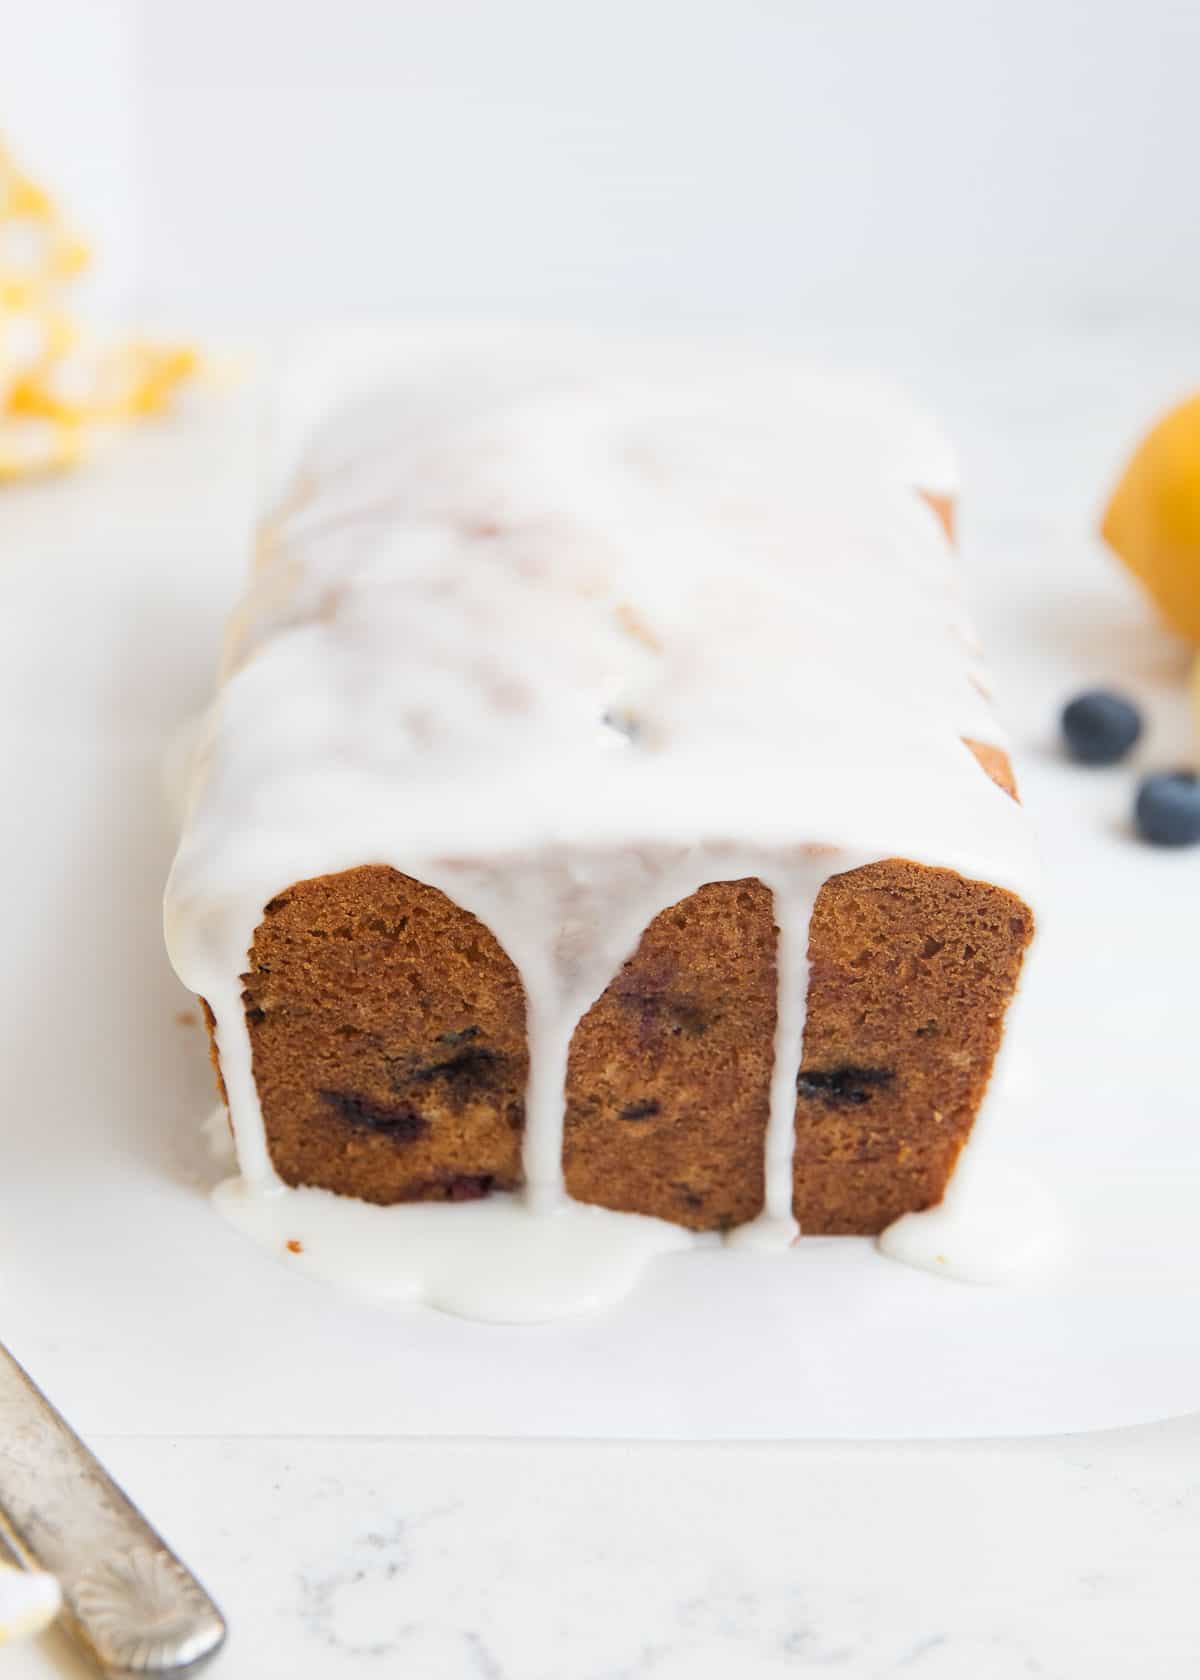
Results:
640 1110
254 1014
1100 727
467 1070
688 1020
663 1012
401 1121
468 1187
845 1084
462 1037
1167 812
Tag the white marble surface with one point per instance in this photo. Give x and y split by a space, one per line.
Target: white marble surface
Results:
1063 1557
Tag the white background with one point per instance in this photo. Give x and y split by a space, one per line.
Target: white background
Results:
752 163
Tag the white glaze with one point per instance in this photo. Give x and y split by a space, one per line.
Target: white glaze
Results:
218 1139
997 1222
488 1259
567 629
178 766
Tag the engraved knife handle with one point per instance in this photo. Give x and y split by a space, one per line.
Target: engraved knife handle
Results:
127 1599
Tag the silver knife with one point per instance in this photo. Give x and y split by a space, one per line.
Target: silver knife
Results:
127 1599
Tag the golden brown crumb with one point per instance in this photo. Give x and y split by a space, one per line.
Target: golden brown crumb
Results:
294 1247
388 1036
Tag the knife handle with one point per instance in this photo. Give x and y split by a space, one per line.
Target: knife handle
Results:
127 1599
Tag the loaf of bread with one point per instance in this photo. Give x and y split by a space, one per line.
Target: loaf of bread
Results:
603 798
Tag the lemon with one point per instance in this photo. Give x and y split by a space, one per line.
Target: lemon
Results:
29 447
60 384
1153 520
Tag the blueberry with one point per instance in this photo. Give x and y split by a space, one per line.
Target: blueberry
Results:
1168 808
1099 727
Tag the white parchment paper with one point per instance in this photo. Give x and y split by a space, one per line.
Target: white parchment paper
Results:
142 1313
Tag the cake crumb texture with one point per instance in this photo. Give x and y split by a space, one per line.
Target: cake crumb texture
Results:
388 1035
